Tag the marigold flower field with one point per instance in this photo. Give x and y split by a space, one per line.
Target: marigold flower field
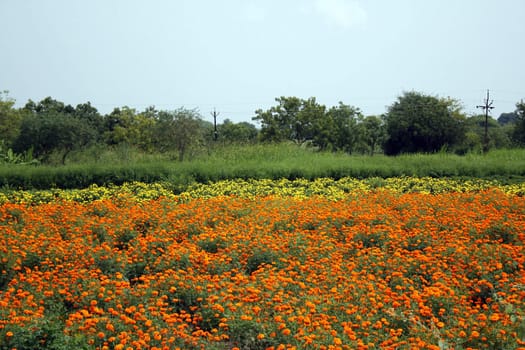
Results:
349 264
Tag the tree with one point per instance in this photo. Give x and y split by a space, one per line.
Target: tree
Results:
179 130
507 118
372 132
497 138
118 126
422 123
48 105
242 132
51 126
305 126
303 121
49 132
277 123
125 126
293 119
337 129
10 119
86 112
345 130
519 130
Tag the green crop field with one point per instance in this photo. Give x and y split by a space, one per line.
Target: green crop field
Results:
287 161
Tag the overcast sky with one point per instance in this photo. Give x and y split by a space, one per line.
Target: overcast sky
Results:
239 55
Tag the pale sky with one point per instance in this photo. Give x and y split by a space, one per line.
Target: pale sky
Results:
239 55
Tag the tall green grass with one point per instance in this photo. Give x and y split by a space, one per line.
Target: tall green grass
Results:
271 161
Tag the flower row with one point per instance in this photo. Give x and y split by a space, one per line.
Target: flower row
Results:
377 269
299 188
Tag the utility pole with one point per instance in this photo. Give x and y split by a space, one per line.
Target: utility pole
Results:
486 107
215 114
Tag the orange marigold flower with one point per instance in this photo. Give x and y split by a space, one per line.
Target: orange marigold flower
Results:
494 317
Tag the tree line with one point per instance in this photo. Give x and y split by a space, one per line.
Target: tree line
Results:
415 122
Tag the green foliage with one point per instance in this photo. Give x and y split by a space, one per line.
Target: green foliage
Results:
126 126
475 135
46 333
6 270
338 129
519 130
260 257
278 121
31 260
417 242
300 121
507 118
243 335
52 131
82 175
211 245
231 133
370 240
181 130
100 233
89 114
134 270
263 161
124 238
186 298
51 126
372 133
10 119
56 133
501 233
422 123
7 156
108 265
48 106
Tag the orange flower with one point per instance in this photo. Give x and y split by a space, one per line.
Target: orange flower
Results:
494 317
379 266
286 331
